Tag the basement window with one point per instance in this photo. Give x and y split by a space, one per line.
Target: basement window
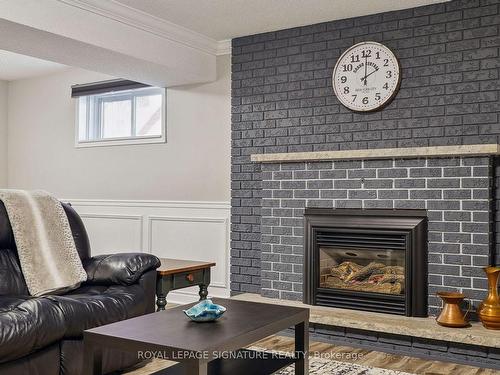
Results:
119 112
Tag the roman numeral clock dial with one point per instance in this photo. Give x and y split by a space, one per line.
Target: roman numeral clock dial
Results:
366 77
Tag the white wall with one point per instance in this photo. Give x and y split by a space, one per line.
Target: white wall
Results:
194 164
3 134
171 199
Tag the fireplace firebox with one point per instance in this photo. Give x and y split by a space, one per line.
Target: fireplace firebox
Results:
366 259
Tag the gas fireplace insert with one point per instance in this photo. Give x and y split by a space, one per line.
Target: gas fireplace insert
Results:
371 260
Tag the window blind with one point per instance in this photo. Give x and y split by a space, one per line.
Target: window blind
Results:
104 86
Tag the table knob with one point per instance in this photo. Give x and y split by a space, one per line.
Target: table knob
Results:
190 277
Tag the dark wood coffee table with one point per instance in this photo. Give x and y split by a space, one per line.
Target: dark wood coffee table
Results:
203 348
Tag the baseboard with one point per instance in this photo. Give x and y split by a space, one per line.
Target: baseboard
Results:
185 296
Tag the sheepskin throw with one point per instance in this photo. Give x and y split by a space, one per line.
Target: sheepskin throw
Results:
45 245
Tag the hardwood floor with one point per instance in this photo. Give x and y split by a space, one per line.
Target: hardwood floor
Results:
354 355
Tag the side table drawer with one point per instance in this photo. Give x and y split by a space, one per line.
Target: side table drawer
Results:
185 279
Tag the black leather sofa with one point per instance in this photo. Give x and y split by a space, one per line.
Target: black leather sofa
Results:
43 335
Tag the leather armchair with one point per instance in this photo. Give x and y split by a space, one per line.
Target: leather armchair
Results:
43 335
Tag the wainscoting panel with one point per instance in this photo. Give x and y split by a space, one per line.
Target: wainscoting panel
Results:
193 237
113 232
183 230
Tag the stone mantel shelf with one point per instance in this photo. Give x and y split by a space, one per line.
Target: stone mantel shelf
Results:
383 153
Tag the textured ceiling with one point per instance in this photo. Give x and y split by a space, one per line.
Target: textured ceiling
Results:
216 19
226 19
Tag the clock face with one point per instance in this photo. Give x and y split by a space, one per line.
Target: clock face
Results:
366 77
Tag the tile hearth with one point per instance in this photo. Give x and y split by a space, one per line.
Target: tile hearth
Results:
400 335
425 328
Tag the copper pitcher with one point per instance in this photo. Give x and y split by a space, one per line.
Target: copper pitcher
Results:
451 314
489 309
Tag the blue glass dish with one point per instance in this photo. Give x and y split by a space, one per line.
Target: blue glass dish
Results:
205 311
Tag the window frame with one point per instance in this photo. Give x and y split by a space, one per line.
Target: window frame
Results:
97 126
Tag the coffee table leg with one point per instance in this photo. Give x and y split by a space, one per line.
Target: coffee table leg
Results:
302 348
196 368
92 359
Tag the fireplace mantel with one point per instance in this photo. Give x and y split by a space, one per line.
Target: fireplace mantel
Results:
383 153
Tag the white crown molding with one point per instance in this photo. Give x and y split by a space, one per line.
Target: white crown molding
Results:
146 22
223 47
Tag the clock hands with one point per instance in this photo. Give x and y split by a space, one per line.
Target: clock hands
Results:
366 67
367 75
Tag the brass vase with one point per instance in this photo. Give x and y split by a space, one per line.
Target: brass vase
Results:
489 309
451 315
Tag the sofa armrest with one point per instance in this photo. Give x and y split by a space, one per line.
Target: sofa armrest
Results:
122 268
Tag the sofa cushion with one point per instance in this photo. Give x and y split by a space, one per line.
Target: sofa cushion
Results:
11 278
91 306
28 324
46 361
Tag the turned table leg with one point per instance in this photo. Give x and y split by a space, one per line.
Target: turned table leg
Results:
161 302
203 292
163 286
204 286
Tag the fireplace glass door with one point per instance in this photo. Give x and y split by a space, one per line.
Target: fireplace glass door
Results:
374 270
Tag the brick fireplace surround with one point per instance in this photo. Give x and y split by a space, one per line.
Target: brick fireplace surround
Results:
283 102
455 192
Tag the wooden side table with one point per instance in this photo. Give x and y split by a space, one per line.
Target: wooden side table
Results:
177 274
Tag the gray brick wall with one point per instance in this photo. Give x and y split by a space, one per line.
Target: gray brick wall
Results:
455 192
282 100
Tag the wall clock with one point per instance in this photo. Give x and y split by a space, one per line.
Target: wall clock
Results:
366 77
